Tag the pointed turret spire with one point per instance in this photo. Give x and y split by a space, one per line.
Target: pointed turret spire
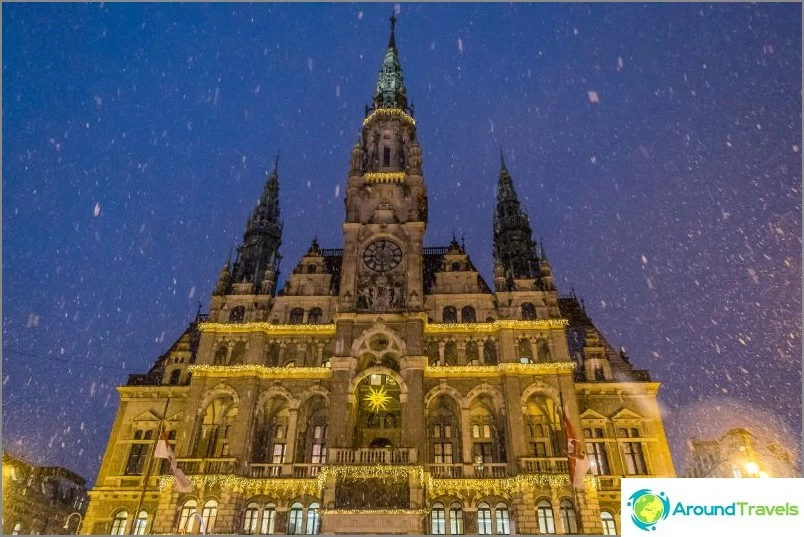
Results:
513 240
391 91
263 235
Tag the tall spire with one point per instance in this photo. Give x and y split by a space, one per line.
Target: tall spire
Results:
514 246
262 237
390 92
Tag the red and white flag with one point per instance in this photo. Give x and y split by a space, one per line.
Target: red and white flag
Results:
576 455
163 451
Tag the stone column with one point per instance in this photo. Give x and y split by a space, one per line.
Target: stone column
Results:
461 352
338 433
239 441
290 438
515 437
466 439
413 433
441 345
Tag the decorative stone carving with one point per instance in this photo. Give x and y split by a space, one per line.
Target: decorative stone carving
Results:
381 292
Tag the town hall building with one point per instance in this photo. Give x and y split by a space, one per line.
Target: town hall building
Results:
386 387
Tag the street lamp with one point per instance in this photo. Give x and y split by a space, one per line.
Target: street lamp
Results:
80 520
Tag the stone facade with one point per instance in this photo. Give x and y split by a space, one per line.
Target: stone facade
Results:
386 388
40 499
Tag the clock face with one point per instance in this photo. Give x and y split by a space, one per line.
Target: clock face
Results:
382 256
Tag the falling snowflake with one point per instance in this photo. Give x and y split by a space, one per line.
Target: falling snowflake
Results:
96 211
593 96
460 45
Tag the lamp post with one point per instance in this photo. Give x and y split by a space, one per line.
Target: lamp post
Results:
80 520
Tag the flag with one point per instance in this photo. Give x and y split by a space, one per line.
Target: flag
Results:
576 455
163 451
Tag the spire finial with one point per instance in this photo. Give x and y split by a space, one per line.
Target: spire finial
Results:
392 41
276 162
502 159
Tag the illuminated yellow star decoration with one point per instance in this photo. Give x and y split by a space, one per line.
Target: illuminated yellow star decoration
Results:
377 399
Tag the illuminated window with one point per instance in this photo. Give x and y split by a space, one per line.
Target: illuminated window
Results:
313 519
544 515
268 519
483 519
569 521
456 519
295 526
609 527
250 518
119 523
437 523
140 523
187 516
502 519
208 516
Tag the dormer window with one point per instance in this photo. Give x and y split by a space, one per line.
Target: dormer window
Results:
456 267
311 269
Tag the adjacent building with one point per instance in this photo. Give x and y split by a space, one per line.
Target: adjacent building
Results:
387 387
739 453
38 500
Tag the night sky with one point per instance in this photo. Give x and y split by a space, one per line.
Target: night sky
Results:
656 147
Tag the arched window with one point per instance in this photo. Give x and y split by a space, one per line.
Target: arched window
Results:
174 377
311 269
237 314
544 515
250 518
213 440
449 315
208 516
456 267
187 517
609 526
490 353
315 316
140 523
295 526
119 523
455 519
528 311
17 529
313 520
437 522
483 519
569 521
296 316
268 519
543 351
468 315
502 519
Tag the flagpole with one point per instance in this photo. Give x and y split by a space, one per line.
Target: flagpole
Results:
148 470
565 419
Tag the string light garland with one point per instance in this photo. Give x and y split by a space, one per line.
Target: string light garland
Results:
378 511
248 370
435 487
496 326
471 371
389 112
268 328
385 177
429 328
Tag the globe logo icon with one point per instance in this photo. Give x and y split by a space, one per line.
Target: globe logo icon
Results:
648 508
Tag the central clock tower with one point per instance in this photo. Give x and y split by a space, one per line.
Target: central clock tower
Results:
386 203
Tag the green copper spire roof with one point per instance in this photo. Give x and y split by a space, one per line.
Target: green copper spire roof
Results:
390 92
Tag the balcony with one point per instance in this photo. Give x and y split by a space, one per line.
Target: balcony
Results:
348 456
208 466
269 470
609 482
491 470
543 465
446 471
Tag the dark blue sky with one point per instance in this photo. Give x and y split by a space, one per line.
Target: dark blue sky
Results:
657 148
